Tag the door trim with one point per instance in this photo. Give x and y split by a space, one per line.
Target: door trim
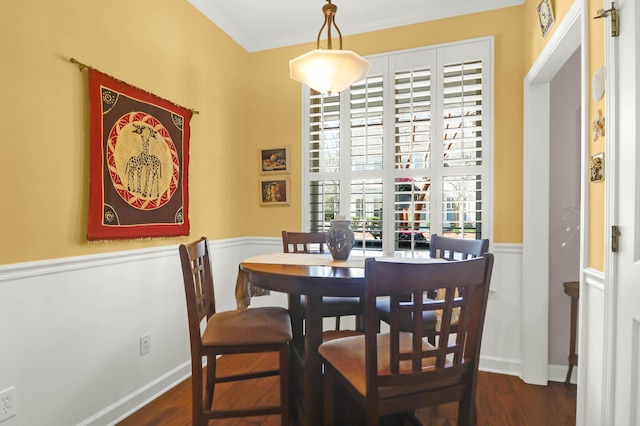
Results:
568 36
610 218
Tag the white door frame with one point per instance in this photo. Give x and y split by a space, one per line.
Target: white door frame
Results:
616 113
569 35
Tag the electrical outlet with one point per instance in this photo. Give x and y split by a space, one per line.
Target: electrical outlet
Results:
145 344
8 407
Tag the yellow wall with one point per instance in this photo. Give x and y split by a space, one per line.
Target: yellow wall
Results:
534 42
166 47
246 102
278 101
596 189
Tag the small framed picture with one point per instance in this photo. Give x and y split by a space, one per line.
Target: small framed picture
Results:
274 160
545 14
275 192
596 167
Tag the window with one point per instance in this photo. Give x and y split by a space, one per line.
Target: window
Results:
406 152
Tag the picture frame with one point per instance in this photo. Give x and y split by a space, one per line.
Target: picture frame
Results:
545 15
596 167
274 160
275 192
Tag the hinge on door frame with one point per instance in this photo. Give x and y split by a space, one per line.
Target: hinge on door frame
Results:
615 18
615 238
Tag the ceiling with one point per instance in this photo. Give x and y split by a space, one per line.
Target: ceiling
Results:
260 24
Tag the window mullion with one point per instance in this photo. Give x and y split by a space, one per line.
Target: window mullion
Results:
306 173
345 153
388 188
437 145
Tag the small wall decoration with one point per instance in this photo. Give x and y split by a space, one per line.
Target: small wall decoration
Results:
597 127
545 15
597 167
274 192
139 162
598 83
274 160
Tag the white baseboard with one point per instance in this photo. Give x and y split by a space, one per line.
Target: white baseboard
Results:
131 403
558 373
511 367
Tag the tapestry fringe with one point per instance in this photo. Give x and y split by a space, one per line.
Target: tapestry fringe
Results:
132 239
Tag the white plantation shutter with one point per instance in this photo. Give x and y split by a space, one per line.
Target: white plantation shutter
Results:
324 133
324 204
366 211
407 151
366 112
462 132
412 113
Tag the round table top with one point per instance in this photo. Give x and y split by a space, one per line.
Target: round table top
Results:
313 274
307 277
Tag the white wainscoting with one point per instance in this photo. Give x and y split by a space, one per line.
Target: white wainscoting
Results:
501 339
591 350
71 328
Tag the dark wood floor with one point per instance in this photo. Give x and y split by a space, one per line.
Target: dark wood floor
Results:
502 400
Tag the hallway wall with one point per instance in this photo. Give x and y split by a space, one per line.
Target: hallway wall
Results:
564 202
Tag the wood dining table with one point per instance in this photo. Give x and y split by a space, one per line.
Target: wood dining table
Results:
314 276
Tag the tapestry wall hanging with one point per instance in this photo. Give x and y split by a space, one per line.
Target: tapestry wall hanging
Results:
139 163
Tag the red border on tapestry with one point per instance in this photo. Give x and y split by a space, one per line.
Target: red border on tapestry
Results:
139 163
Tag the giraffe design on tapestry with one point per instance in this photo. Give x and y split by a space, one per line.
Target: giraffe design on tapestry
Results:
145 161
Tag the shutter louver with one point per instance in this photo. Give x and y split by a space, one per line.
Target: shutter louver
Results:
412 118
366 213
325 203
367 124
324 133
462 205
462 132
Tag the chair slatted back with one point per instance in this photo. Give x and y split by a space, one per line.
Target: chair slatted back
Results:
198 283
456 248
453 362
304 242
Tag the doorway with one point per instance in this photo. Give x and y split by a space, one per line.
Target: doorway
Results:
566 39
564 208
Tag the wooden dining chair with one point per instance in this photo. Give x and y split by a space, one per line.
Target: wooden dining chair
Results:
456 248
334 307
254 330
441 248
399 371
304 242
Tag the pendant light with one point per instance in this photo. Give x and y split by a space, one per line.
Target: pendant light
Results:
329 70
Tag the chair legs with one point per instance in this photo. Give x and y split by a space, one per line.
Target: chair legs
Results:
202 407
285 392
329 382
197 403
467 415
211 377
